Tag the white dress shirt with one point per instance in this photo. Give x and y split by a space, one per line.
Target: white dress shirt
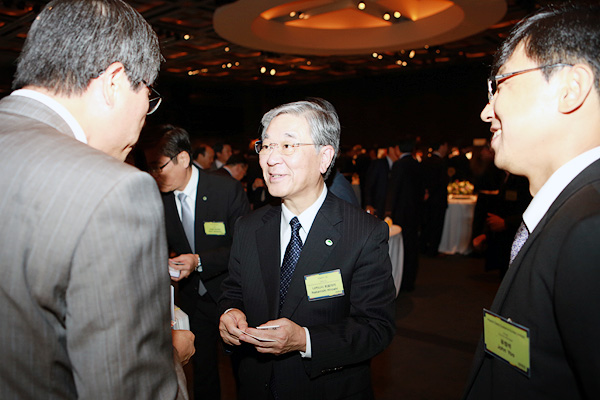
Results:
285 234
555 185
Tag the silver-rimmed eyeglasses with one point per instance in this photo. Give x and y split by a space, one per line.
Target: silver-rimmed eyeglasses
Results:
494 81
287 149
154 99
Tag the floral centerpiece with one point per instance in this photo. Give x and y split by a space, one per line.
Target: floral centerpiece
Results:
460 187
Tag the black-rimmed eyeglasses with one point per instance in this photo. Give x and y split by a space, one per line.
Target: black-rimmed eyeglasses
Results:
287 149
154 99
157 170
494 81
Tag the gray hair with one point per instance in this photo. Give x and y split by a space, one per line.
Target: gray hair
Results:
73 41
322 120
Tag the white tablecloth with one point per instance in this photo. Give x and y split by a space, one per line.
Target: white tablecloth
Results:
456 236
396 250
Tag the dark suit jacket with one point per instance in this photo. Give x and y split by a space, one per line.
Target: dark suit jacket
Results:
435 178
84 293
218 199
346 332
405 193
376 181
552 288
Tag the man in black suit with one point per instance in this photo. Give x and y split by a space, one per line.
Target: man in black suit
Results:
435 178
313 274
211 204
376 182
540 336
403 204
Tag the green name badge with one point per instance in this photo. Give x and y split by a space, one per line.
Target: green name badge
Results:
324 285
507 341
214 228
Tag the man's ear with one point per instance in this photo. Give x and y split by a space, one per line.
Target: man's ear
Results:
184 158
327 154
577 84
113 80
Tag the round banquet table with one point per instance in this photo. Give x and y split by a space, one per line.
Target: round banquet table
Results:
396 250
456 235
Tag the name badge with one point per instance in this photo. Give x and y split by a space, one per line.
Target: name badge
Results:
324 285
507 341
214 228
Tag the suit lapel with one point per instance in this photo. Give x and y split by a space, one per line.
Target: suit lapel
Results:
585 177
269 256
314 252
201 212
174 225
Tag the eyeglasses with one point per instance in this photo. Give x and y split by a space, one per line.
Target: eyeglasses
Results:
287 149
154 99
157 170
494 81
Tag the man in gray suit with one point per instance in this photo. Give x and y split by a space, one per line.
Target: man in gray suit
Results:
84 294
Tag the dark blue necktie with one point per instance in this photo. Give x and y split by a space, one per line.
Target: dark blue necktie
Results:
290 259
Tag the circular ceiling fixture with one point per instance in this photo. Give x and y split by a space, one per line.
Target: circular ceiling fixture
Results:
352 27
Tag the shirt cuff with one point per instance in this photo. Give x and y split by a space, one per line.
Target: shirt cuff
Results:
308 352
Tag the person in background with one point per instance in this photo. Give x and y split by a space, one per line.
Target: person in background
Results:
201 209
84 294
203 156
404 200
222 153
541 332
435 177
376 181
313 274
235 167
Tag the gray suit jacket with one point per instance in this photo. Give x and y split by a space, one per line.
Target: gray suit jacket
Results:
84 292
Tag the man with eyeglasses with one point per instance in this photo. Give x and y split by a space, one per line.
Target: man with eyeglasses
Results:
310 298
540 334
201 209
84 293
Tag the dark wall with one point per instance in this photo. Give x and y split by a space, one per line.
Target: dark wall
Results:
433 103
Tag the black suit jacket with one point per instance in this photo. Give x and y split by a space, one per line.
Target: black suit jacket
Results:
405 193
218 199
376 181
346 332
552 288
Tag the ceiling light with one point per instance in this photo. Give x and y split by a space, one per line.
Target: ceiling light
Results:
362 6
272 72
397 14
411 54
387 16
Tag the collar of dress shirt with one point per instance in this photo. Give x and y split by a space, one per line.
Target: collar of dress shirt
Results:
390 161
306 220
555 185
57 108
190 191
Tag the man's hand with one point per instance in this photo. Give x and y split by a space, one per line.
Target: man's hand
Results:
495 223
232 326
288 337
186 263
183 343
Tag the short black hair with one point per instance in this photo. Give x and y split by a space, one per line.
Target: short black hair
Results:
172 141
236 159
567 33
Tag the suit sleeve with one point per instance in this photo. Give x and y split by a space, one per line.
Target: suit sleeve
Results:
577 300
370 324
118 319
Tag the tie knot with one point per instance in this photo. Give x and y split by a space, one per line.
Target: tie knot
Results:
296 225
182 196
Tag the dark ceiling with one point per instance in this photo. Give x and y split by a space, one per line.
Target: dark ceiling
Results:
192 49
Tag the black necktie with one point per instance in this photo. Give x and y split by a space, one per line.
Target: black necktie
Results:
292 254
